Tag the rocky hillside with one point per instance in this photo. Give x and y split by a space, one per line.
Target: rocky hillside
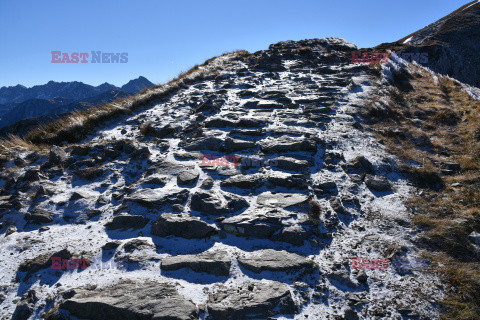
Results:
451 43
242 194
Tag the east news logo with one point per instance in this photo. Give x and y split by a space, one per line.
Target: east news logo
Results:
82 57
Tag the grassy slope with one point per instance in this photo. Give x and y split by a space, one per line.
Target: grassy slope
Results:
428 123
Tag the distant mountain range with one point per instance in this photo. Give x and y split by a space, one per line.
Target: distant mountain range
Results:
44 103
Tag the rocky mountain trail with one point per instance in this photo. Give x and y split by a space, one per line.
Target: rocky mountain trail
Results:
243 195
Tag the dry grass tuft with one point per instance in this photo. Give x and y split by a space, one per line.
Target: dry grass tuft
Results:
314 210
145 127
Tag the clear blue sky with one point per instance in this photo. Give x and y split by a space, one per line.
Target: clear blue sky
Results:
163 38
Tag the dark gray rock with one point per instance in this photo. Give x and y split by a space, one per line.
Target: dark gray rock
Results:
342 276
128 300
219 123
187 177
207 183
252 123
216 263
266 224
252 300
217 203
26 306
328 185
359 165
280 200
260 225
294 234
137 244
244 181
350 314
281 179
57 155
232 145
378 183
185 227
127 221
42 262
163 131
153 197
286 144
38 215
337 205
188 155
273 260
208 143
291 164
362 276
155 180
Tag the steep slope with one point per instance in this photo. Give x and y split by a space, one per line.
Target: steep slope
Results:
452 44
242 194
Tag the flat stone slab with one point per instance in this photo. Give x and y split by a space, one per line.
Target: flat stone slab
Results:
273 260
152 197
286 143
185 227
129 300
216 263
291 164
127 221
216 203
280 200
187 177
251 300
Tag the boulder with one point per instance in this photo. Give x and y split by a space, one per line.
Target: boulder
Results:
185 227
273 260
378 183
187 177
138 244
216 263
244 181
127 221
280 200
294 234
232 145
157 197
129 300
208 143
359 165
250 300
217 203
291 164
39 216
156 180
286 144
57 156
207 183
282 179
42 261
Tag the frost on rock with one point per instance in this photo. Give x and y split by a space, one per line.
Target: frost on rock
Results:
248 199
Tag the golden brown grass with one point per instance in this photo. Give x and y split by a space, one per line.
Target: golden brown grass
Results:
431 124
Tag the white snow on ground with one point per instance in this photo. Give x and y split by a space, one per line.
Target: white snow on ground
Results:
408 40
471 5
